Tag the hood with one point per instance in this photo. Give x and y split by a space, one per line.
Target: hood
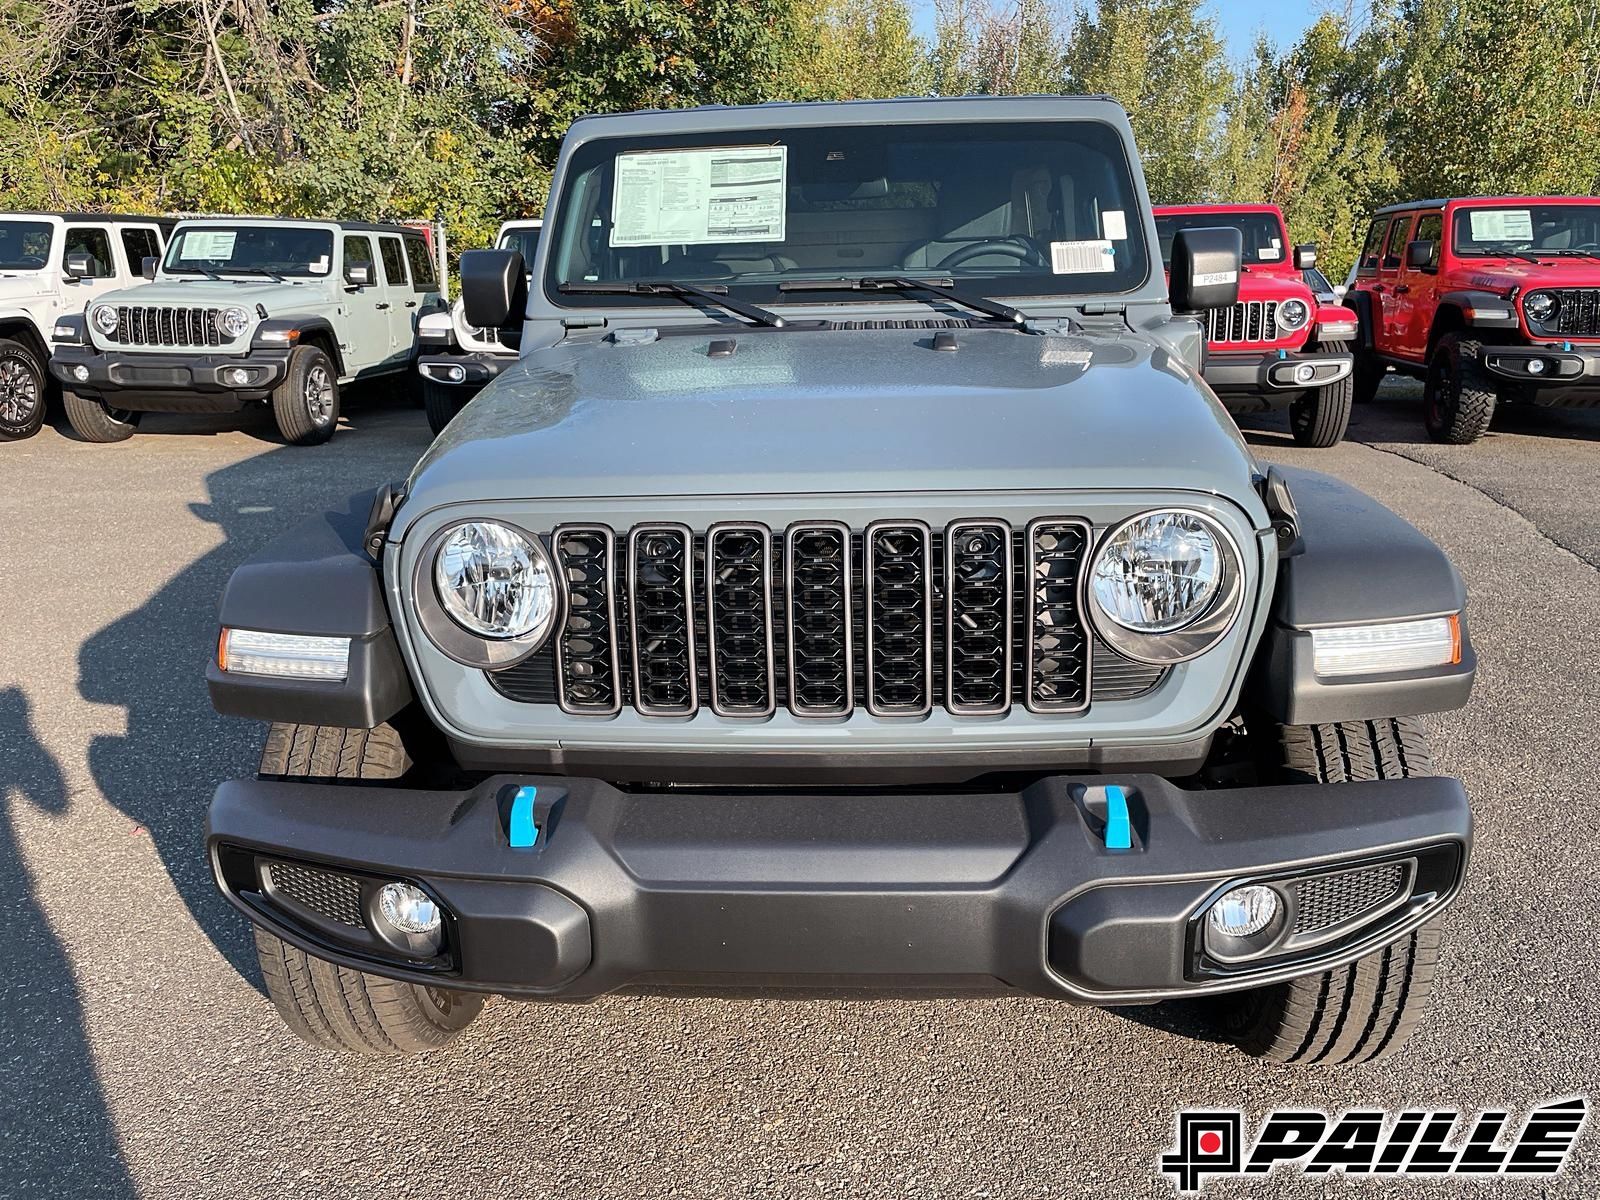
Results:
1499 275
1271 282
217 293
836 411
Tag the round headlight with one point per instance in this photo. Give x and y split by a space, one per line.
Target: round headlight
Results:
1292 314
1165 586
233 322
105 319
1540 306
495 581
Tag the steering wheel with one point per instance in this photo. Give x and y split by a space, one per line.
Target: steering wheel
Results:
31 261
1589 247
1013 246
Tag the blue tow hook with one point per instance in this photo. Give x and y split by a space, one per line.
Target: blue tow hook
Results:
523 832
1119 829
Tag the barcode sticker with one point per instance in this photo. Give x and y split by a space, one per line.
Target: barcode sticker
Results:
1082 258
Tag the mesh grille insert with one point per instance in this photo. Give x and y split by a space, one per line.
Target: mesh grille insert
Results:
738 619
661 614
978 617
586 648
1058 662
899 620
821 664
328 893
1330 900
1578 313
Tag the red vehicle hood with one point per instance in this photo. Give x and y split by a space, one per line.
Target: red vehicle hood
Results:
1499 274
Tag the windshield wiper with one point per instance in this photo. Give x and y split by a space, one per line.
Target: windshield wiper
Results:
206 271
716 295
258 271
906 283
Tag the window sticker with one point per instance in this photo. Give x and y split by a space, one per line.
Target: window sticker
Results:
1270 253
690 197
1501 224
320 266
1114 225
1082 258
212 245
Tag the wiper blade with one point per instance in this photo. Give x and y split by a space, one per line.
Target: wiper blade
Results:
206 271
258 271
907 283
715 295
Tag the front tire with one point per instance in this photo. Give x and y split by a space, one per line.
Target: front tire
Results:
332 1006
306 404
441 404
1459 397
1368 1010
22 391
94 422
1320 417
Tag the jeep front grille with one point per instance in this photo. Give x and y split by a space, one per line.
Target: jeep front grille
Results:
1577 313
1251 321
152 325
822 620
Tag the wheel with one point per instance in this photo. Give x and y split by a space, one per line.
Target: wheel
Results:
94 422
441 403
328 1005
306 403
1459 397
1368 1010
1366 376
22 391
1320 417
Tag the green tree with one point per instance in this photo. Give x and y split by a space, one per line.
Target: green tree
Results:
856 49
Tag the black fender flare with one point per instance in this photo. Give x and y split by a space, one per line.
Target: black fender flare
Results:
20 327
284 333
1470 303
1362 303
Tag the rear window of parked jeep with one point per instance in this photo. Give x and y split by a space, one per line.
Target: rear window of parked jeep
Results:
422 272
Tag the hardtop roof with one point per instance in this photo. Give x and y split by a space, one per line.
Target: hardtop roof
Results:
91 216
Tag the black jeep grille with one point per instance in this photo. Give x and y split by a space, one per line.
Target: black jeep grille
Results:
150 325
1328 900
1577 313
976 617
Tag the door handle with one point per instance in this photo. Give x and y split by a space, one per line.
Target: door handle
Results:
1402 289
411 303
385 304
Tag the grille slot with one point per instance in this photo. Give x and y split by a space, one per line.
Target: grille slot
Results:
588 676
1328 900
1578 313
818 618
979 588
898 576
152 325
329 894
661 619
1247 321
739 620
1058 662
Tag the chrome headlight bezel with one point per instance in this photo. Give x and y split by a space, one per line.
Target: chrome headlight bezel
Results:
455 640
98 317
1293 323
1201 632
233 322
1551 305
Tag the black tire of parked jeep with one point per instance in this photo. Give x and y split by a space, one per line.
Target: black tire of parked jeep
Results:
1458 397
1318 418
1366 376
306 403
23 386
441 404
94 422
1368 1010
332 1006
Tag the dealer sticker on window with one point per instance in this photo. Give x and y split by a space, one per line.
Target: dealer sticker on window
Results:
692 197
1501 224
209 245
1082 258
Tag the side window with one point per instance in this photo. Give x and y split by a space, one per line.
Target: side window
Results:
394 261
359 250
96 243
1372 251
423 276
139 244
1394 250
1430 228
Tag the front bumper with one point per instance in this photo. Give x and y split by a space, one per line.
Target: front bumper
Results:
939 892
1558 371
467 372
1257 372
168 382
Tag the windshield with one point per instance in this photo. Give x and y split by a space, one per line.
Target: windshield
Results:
1000 208
24 245
1554 229
524 241
1262 233
288 250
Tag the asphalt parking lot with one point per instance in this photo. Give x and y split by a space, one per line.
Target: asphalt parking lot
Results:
138 1055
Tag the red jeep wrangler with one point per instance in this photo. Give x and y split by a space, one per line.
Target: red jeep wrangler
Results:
1277 347
1491 300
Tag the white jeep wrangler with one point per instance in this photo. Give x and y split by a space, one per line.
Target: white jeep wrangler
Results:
250 310
51 264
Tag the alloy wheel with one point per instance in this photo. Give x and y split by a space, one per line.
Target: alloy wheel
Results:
19 390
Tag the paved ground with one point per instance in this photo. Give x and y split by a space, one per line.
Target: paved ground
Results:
138 1057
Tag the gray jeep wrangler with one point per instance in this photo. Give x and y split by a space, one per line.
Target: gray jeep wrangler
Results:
853 586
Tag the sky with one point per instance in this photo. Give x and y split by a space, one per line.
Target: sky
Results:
1239 20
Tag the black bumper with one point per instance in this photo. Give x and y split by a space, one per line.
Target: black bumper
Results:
1558 374
168 382
1273 372
943 892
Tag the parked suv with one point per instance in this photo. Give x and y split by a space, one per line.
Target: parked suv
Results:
253 310
1490 300
1278 346
457 359
51 264
853 585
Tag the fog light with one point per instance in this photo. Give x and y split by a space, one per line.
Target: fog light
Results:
455 374
237 376
1394 646
408 908
284 655
1305 373
1244 911
81 373
1536 366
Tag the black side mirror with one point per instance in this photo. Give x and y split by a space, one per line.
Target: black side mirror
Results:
494 287
1422 256
1305 257
148 265
358 274
79 265
1205 269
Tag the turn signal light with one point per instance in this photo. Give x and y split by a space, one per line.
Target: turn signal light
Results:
283 655
1379 649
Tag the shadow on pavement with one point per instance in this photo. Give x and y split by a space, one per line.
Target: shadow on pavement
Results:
56 1135
162 771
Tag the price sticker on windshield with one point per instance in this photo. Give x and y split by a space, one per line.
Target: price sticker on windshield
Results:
209 245
695 197
1501 224
1082 258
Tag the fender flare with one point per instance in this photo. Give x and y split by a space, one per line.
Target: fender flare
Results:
20 322
284 333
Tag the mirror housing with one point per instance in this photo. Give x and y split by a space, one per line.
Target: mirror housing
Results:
494 287
78 265
1422 256
1305 256
1205 269
359 274
148 265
